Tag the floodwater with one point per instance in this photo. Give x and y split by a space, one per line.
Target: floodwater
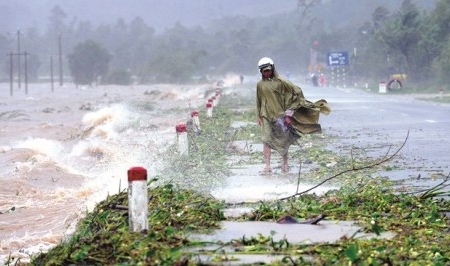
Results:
246 184
324 232
64 151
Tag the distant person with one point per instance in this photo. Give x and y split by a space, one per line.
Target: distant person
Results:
241 77
322 80
283 113
314 80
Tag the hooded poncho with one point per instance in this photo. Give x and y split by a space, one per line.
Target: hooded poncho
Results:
276 95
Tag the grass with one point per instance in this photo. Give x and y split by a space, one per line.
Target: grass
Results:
422 92
103 236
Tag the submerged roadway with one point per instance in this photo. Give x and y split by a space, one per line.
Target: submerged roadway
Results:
374 121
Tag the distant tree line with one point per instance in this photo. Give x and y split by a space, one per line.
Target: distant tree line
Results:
405 40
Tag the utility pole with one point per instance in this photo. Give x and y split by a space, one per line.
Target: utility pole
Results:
11 74
60 61
51 72
26 72
11 70
18 58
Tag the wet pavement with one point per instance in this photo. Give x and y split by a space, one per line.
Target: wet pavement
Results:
383 122
246 183
379 124
325 231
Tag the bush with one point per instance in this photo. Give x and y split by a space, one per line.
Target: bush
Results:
119 77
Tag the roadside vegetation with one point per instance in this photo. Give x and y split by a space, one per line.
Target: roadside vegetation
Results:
424 93
181 206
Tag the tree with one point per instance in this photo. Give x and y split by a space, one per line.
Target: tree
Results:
379 16
56 22
176 57
441 65
88 62
441 18
401 34
304 8
436 40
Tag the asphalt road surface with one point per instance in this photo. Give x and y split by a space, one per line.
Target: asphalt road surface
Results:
375 121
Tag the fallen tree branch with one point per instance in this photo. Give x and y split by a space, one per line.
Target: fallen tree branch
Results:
353 169
434 191
119 207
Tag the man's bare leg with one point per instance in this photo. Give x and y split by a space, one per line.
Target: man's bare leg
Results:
267 154
285 165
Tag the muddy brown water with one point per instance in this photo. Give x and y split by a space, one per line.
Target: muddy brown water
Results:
64 151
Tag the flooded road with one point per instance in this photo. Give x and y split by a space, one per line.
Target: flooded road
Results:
64 152
377 124
375 121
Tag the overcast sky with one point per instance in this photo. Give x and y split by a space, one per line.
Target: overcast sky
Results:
160 14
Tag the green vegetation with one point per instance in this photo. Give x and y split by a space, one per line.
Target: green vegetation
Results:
103 237
88 62
425 93
439 99
418 220
419 223
205 166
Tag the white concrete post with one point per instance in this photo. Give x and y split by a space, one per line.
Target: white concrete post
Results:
196 120
215 101
209 109
182 138
382 87
137 199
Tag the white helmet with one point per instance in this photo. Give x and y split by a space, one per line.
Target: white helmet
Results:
265 62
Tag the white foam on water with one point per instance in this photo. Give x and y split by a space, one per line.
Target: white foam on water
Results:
257 188
50 148
111 142
98 146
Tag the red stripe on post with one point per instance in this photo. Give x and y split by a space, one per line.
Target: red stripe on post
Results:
208 105
137 174
180 128
194 113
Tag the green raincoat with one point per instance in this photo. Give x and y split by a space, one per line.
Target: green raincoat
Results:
276 95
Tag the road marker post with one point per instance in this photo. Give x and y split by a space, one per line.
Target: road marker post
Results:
209 108
182 139
196 121
137 199
382 87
